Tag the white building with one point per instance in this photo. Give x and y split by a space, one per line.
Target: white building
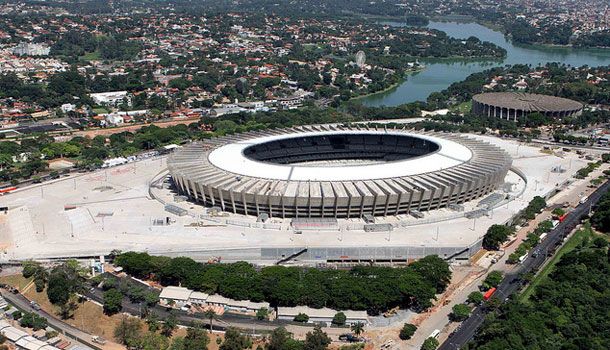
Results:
114 119
108 98
22 339
217 112
67 107
179 296
236 305
198 298
31 49
324 315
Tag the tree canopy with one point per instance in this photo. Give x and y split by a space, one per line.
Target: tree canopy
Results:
368 288
567 310
495 236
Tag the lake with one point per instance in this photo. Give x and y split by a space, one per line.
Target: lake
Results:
439 74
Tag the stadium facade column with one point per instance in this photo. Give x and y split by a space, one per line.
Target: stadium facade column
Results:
211 195
231 194
202 191
243 198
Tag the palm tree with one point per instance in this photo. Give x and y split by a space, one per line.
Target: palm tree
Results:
358 328
211 314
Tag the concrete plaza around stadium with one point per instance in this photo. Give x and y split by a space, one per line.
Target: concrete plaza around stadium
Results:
113 209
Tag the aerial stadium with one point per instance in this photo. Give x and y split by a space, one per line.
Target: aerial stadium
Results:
515 105
313 195
337 172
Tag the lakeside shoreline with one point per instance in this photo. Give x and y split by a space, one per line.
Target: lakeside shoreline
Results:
486 24
391 87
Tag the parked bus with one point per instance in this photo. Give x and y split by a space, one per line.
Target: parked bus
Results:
489 293
7 190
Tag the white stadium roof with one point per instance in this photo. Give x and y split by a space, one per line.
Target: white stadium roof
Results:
231 158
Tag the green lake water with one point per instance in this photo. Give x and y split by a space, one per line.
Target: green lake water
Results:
439 74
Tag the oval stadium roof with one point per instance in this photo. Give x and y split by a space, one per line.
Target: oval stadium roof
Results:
528 102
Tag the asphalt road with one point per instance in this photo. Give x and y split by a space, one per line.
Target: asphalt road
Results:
511 283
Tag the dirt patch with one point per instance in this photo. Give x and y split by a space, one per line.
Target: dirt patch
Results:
88 317
132 128
16 281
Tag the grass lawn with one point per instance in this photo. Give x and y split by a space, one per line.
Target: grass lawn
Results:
310 47
100 110
573 242
463 107
91 56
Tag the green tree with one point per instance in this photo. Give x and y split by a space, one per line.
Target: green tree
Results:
32 320
29 268
316 340
493 303
601 217
495 236
600 242
475 297
169 325
179 83
151 298
407 331
357 328
368 288
339 319
429 344
113 301
139 265
65 280
435 270
561 309
152 320
153 341
493 279
459 312
196 339
66 310
281 339
558 211
534 207
128 331
301 317
210 314
38 272
262 313
178 344
225 127
234 340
